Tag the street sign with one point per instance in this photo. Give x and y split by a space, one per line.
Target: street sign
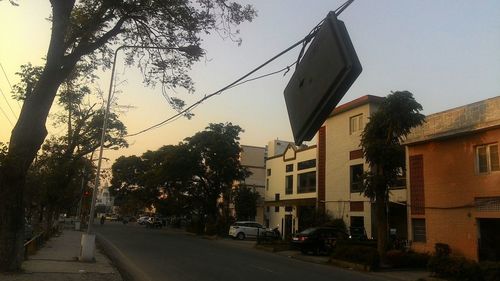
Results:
323 76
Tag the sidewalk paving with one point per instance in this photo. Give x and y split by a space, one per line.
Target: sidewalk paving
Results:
57 260
388 274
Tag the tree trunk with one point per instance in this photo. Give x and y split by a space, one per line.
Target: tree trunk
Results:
26 139
381 213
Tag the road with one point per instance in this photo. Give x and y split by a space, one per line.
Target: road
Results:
176 256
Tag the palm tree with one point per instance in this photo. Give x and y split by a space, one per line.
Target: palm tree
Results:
381 142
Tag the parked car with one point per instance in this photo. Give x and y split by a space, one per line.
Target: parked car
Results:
357 233
246 229
318 240
154 222
142 220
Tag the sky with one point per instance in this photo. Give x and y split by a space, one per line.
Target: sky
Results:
446 52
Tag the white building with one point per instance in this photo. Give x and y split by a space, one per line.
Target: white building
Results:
338 161
341 162
104 198
291 192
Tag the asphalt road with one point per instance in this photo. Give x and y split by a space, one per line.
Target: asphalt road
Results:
176 256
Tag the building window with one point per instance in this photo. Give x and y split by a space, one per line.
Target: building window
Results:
356 178
400 182
267 184
487 158
268 172
357 206
289 168
355 124
289 185
267 209
306 182
277 197
276 209
306 164
418 226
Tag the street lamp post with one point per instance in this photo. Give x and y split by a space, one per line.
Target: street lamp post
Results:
88 239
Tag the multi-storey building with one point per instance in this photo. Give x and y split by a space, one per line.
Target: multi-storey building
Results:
336 163
290 185
454 180
253 159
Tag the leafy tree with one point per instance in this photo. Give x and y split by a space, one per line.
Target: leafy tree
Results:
381 143
245 202
219 158
56 176
86 31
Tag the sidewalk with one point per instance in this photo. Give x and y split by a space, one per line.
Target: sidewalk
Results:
57 261
393 274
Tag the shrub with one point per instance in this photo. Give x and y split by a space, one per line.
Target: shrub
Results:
490 271
367 243
442 250
458 268
365 255
398 258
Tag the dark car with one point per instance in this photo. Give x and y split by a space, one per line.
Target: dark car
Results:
357 233
154 222
318 240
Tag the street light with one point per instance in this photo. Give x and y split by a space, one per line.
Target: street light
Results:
88 239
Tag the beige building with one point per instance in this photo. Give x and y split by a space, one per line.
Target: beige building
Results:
291 192
253 159
341 162
338 163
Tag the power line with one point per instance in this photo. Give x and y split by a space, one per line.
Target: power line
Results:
8 104
7 117
177 116
240 81
8 82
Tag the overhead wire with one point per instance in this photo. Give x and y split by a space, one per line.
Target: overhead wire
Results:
8 82
240 80
287 68
6 117
8 104
229 86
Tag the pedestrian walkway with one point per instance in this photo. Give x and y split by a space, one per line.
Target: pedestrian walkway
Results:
393 274
58 260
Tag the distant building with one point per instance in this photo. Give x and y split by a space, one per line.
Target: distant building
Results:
291 192
454 179
104 200
253 159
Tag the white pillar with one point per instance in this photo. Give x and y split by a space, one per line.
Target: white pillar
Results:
87 248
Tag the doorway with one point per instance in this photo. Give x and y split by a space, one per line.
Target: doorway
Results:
489 242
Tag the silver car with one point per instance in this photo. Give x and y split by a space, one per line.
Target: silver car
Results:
246 229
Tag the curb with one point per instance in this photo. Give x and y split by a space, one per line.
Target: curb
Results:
127 269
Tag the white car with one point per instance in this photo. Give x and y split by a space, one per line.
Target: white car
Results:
246 229
142 220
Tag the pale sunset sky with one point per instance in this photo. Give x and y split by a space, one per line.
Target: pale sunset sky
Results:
446 52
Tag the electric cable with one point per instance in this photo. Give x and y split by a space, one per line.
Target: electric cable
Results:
238 81
231 85
8 82
7 117
8 104
287 68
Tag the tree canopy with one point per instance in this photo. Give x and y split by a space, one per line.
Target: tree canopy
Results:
186 179
381 141
85 32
